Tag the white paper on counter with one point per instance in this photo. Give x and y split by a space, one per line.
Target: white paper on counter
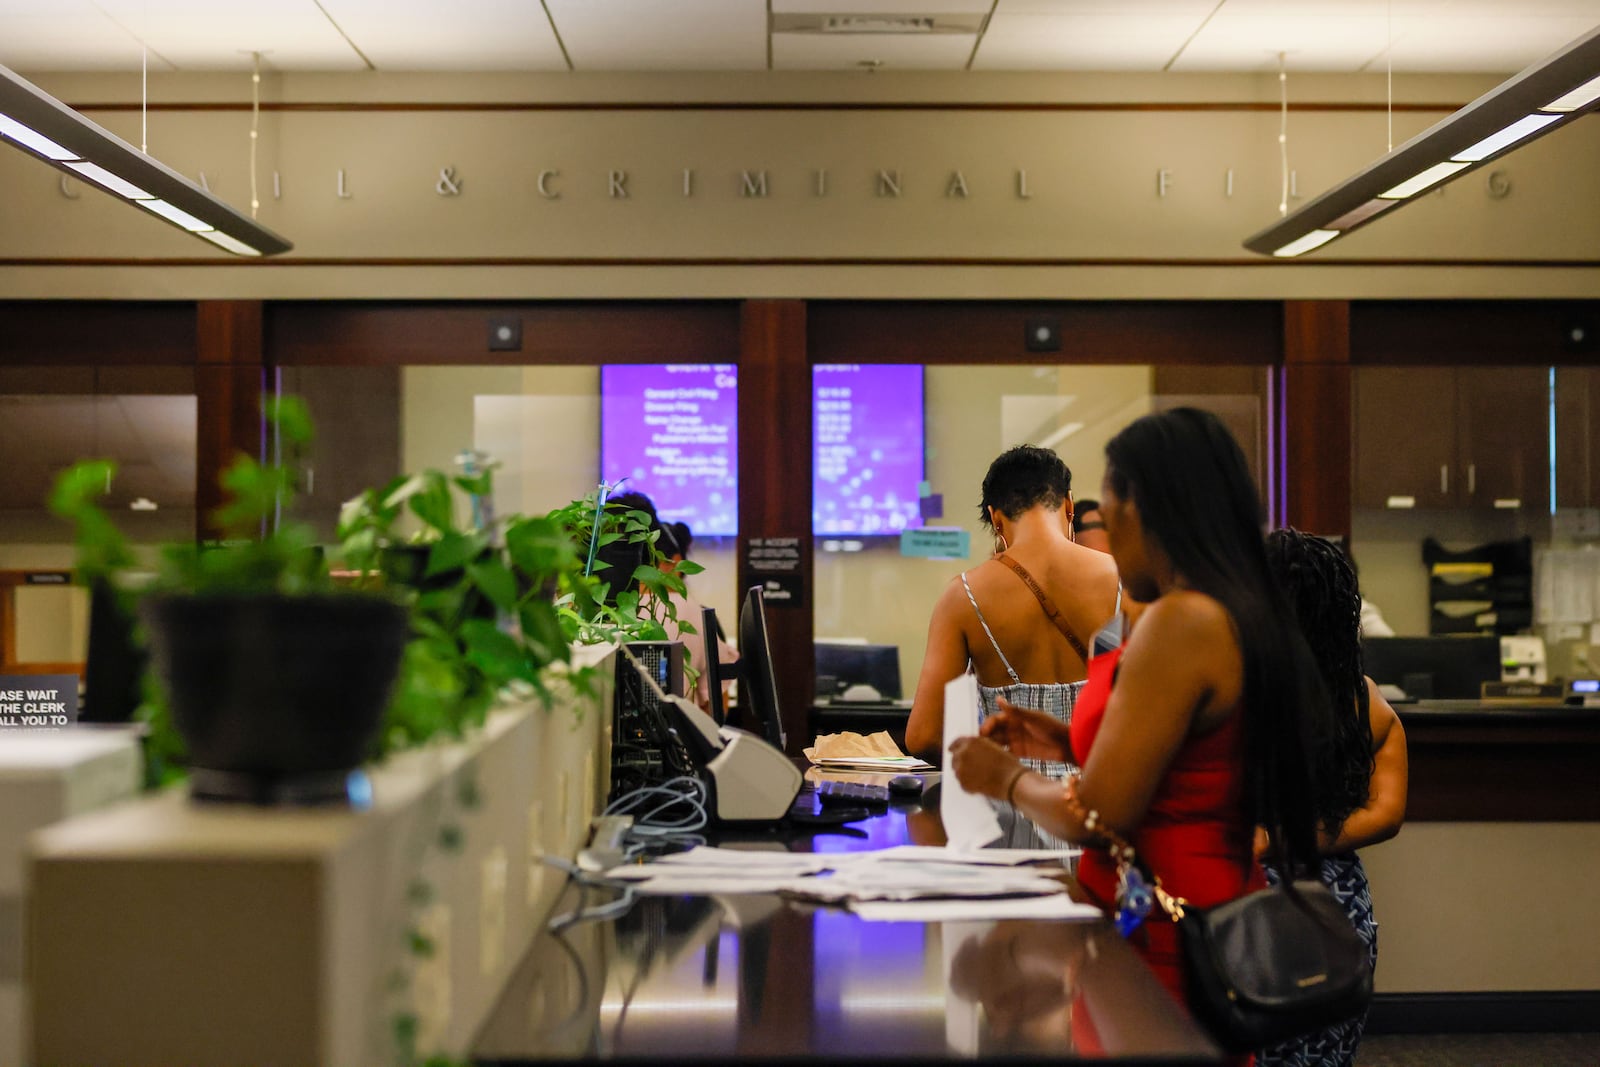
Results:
983 857
1057 906
969 819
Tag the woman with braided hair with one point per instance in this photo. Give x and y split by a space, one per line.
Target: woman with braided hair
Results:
1359 766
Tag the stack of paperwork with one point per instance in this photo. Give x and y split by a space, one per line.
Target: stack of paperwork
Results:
908 883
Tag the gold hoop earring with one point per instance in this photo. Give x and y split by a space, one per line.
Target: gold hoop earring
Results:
1005 546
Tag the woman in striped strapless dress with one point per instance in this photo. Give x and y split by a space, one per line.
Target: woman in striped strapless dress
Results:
1016 619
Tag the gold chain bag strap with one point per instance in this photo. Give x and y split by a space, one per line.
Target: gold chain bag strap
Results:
1262 968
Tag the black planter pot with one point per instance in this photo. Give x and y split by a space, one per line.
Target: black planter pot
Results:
277 697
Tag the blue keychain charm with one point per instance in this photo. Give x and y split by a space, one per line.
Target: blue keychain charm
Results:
1135 898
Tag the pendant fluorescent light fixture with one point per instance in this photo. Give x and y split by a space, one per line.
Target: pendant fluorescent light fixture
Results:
43 126
1542 98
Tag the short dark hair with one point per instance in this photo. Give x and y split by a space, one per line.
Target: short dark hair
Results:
1084 507
1023 478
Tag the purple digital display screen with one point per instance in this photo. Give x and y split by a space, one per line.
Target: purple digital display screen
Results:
866 452
671 432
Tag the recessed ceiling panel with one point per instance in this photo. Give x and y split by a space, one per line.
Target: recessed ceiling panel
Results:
654 35
1107 38
871 51
461 35
208 35
882 7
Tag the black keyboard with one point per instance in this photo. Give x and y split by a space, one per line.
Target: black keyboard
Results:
852 795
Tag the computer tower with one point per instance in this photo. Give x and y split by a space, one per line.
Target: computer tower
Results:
645 749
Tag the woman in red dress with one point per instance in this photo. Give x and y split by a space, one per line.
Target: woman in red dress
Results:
1194 730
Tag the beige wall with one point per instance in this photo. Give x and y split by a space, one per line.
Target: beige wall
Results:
1092 175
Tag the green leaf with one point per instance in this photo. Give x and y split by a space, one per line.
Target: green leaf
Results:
432 504
452 552
495 581
687 567
493 652
480 484
541 628
288 415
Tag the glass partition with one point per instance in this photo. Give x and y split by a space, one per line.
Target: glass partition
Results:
143 419
879 589
540 424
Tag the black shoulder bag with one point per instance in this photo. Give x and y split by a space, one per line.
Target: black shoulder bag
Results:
1262 968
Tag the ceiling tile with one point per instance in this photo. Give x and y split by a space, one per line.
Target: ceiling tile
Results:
890 51
1114 39
1502 43
474 35
207 35
47 35
652 35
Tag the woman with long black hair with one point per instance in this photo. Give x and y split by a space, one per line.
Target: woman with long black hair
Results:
1194 730
1360 765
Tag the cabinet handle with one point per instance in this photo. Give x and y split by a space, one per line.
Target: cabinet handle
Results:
1444 477
311 480
1472 478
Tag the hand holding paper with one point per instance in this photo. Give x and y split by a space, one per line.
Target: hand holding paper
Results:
969 819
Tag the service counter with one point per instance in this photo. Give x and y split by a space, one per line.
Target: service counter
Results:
1483 900
757 978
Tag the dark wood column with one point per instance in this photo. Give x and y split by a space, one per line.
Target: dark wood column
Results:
1314 432
775 487
229 380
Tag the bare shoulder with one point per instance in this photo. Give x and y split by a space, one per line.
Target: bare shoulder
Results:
1380 715
952 603
1186 616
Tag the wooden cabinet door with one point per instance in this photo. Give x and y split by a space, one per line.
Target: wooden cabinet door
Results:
1577 437
1503 418
356 411
1405 437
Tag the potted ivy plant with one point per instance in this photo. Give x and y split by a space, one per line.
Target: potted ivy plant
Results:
273 679
479 597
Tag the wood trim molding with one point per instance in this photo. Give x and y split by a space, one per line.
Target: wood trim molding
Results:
1092 332
437 332
1316 331
229 385
775 487
1026 262
1473 332
1314 403
97 333
718 105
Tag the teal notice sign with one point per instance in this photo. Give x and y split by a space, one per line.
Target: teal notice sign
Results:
936 542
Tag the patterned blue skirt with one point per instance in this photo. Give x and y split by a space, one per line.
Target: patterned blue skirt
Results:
1335 1046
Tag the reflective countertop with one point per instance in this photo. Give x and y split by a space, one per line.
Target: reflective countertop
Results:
753 978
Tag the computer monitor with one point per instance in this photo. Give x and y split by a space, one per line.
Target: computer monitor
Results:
1433 668
844 666
708 635
760 688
